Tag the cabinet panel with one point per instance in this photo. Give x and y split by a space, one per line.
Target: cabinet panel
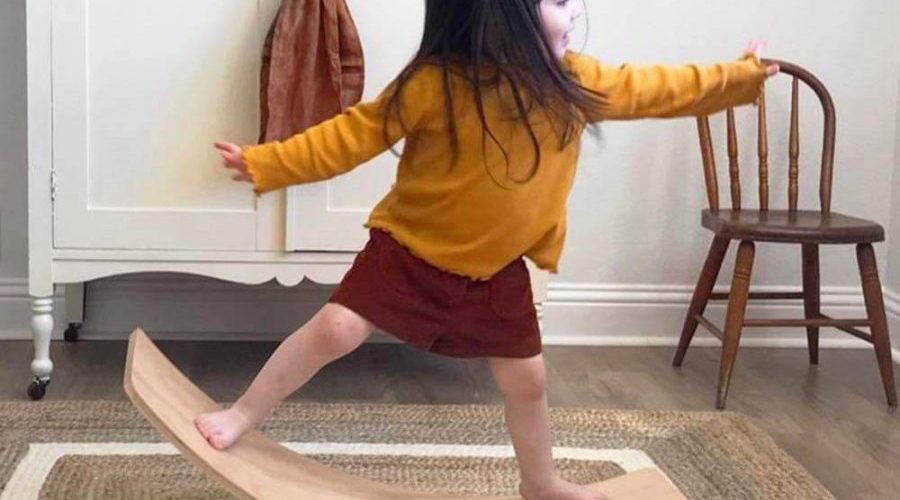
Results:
141 90
328 216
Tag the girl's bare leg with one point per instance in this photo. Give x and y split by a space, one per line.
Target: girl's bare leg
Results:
331 334
523 384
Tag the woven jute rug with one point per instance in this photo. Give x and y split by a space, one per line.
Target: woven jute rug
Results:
106 450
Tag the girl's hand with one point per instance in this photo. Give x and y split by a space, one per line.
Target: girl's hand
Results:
754 48
233 158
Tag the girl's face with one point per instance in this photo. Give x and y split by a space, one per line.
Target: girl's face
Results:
558 20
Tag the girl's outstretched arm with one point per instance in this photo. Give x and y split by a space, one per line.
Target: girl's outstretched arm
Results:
659 91
334 146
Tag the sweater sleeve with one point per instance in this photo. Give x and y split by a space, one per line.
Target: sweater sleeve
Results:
338 145
658 91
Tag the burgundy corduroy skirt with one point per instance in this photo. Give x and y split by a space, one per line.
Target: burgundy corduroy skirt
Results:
440 311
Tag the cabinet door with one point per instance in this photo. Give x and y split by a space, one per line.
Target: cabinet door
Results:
329 215
141 90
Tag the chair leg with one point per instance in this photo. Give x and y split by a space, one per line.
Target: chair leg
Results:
734 318
811 297
702 291
868 270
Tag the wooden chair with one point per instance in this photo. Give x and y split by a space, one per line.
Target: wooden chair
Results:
806 228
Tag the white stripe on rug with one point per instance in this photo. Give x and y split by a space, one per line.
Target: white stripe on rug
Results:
31 473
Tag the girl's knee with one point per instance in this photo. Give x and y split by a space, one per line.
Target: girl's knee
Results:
520 378
339 330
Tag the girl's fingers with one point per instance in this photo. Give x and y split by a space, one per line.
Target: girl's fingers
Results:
749 49
231 160
232 157
755 47
227 147
232 154
759 46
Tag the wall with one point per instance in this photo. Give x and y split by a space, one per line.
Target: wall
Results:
14 310
892 291
13 244
893 281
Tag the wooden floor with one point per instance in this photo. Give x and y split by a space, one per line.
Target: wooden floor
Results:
832 418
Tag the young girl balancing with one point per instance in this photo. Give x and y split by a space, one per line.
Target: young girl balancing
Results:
491 108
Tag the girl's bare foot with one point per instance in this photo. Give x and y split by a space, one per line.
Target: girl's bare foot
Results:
222 428
558 490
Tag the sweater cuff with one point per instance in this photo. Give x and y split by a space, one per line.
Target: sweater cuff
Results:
250 159
759 72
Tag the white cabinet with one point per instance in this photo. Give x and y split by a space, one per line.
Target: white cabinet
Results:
125 99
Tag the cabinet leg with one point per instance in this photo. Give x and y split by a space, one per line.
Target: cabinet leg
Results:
41 329
74 310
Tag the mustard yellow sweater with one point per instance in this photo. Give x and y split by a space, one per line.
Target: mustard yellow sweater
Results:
460 220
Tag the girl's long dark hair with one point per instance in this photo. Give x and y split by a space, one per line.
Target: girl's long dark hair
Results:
505 36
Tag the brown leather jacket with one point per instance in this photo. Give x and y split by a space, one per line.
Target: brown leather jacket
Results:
312 67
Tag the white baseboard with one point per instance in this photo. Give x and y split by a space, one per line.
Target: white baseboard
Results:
892 305
652 315
892 302
574 314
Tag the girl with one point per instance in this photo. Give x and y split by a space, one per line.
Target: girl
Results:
491 108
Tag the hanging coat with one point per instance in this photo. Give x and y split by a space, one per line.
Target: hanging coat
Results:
312 67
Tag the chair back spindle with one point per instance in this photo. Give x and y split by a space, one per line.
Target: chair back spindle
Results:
709 163
763 151
794 148
799 75
734 170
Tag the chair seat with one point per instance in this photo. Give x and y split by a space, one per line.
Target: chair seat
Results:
802 226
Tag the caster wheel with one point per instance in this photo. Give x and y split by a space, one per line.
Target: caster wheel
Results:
37 389
71 333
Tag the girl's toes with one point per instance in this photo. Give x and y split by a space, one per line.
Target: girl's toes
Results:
203 426
218 442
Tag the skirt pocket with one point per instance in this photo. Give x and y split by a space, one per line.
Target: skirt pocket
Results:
510 291
399 271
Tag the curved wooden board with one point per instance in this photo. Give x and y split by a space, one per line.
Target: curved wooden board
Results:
257 467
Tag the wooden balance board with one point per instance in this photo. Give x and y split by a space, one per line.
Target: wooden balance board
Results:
257 467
